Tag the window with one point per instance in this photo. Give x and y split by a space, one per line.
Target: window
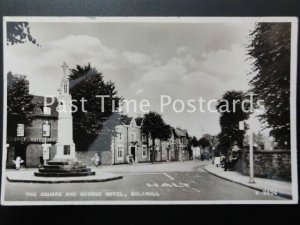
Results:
47 111
120 152
181 140
144 150
20 130
120 136
144 138
46 129
67 150
132 137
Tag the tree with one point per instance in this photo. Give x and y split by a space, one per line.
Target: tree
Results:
231 113
203 142
18 33
20 109
86 82
194 142
270 51
155 127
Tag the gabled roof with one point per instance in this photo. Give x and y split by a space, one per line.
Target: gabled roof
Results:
126 120
180 133
138 121
185 132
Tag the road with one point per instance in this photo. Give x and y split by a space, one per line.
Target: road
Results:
161 181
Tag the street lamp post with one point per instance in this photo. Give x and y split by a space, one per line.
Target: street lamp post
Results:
251 161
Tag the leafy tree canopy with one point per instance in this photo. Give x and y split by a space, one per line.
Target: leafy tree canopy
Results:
20 108
204 142
194 142
18 33
270 49
155 127
231 113
86 82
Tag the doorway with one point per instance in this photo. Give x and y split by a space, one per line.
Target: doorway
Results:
132 149
20 150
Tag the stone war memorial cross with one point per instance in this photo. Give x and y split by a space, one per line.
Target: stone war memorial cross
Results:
64 163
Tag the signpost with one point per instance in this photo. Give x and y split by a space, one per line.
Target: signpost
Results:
46 152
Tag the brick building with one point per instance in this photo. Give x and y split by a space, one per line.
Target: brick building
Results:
29 139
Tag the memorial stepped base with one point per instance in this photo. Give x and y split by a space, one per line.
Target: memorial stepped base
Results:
64 168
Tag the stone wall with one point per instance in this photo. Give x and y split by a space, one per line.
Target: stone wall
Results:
86 157
273 164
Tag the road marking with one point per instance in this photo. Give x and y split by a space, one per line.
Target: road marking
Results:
195 189
167 175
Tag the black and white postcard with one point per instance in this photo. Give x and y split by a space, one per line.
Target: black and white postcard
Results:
149 110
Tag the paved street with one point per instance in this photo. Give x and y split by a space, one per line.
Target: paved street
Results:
161 181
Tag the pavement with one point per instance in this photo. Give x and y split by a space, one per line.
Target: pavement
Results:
27 176
267 186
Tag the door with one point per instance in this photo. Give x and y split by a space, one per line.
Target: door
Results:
20 150
133 152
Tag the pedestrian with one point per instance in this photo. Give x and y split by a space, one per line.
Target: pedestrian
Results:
202 157
131 159
18 162
96 159
41 161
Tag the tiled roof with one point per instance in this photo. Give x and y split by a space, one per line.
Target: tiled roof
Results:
180 133
126 120
138 121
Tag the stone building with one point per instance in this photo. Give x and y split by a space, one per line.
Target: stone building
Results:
173 149
28 140
128 139
181 141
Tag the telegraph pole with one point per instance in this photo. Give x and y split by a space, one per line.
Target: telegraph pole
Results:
251 164
251 161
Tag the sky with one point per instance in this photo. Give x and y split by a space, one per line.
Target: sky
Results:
145 60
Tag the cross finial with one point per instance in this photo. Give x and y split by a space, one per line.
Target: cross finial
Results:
65 67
